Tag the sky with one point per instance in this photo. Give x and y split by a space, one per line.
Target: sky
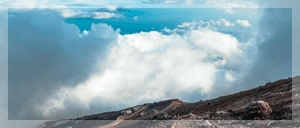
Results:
82 59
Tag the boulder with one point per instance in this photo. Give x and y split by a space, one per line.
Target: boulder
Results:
257 110
126 112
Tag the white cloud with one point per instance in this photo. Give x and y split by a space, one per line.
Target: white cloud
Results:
33 4
135 18
167 30
186 24
104 15
23 4
30 4
229 77
200 23
112 7
228 5
220 22
225 5
69 13
151 66
66 8
226 23
216 44
170 1
65 11
244 23
176 1
84 33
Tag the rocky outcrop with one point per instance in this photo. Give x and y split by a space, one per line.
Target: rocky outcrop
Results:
257 110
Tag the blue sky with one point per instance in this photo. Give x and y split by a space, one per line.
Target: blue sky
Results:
70 62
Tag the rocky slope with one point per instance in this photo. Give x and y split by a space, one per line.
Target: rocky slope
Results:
264 106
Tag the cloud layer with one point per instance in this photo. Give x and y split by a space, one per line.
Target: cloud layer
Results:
252 79
45 53
220 22
244 23
151 66
145 66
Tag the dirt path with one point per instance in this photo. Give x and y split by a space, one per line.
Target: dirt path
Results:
113 124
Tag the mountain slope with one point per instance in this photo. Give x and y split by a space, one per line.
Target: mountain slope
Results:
231 109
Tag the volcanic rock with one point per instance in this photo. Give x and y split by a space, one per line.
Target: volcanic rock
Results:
257 110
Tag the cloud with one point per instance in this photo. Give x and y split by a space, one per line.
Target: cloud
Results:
151 66
65 9
146 66
104 15
229 5
270 54
33 4
244 23
200 23
24 4
186 24
170 1
135 18
226 23
225 5
69 66
175 1
54 53
69 13
275 51
112 7
223 22
152 1
139 62
220 22
229 77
